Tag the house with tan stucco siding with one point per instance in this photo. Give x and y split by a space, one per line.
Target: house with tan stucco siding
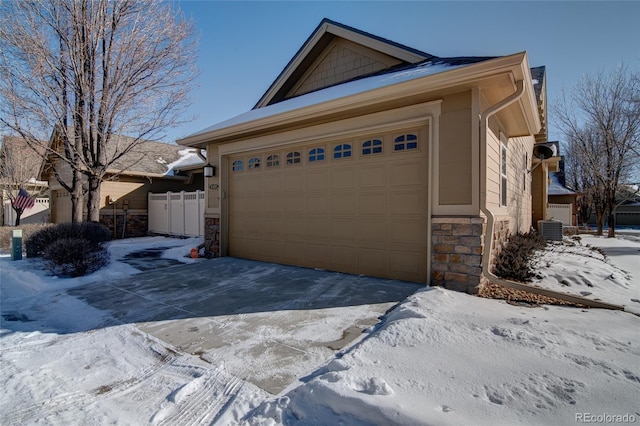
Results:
369 157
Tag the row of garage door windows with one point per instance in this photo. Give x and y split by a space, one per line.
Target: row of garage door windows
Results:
370 147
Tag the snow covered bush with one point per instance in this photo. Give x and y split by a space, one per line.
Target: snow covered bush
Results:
94 233
514 261
75 257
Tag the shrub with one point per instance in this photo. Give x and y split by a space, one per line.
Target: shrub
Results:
75 257
94 233
514 261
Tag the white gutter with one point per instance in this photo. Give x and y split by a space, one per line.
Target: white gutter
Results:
488 236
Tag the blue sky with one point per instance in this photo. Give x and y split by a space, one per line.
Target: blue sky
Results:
244 45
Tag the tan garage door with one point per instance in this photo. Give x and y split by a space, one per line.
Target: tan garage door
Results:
356 205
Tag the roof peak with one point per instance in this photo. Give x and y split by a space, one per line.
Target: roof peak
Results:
319 40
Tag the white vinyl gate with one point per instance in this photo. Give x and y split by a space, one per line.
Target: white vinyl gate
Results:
39 213
561 212
177 213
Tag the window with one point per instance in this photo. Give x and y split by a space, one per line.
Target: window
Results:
273 160
237 166
254 163
373 146
293 157
342 151
316 154
405 142
503 175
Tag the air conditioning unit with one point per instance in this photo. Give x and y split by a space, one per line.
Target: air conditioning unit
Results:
550 229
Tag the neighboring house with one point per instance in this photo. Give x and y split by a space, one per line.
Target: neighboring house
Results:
369 157
149 167
563 201
628 214
19 167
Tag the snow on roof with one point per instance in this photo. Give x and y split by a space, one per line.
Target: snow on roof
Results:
188 159
427 68
555 188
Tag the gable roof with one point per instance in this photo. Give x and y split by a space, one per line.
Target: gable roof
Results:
424 70
146 158
287 103
324 34
152 158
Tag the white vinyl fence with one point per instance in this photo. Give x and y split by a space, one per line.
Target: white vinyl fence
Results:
561 212
39 213
177 213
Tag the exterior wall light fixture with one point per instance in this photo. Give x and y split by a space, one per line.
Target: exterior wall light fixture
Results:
209 171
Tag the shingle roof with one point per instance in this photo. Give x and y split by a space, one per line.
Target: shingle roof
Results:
357 85
153 157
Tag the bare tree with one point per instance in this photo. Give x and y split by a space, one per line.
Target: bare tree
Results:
85 70
601 122
19 169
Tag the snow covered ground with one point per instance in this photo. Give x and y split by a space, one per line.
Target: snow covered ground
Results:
440 358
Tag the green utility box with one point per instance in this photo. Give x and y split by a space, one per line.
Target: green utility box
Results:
16 244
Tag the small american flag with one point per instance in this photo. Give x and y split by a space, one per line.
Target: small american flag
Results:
23 201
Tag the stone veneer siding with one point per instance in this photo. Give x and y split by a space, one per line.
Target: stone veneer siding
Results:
458 245
211 237
457 253
137 224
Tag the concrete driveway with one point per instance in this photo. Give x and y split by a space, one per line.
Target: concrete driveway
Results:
265 323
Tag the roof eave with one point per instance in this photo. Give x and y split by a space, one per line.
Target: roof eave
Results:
515 64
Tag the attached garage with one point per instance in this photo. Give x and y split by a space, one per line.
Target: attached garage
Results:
356 205
369 157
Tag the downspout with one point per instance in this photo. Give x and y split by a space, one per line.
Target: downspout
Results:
488 236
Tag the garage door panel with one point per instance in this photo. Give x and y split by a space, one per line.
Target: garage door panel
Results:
237 184
344 259
295 229
254 186
404 230
294 180
343 203
343 229
240 205
317 179
272 227
372 230
270 251
408 172
406 265
366 214
272 183
317 205
294 203
343 177
317 228
272 204
372 203
372 176
316 255
294 253
372 262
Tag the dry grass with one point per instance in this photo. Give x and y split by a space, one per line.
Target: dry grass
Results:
27 231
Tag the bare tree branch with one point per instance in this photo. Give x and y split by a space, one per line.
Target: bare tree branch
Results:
85 70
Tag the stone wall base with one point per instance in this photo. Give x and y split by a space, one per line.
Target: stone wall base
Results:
211 237
458 246
457 253
135 224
